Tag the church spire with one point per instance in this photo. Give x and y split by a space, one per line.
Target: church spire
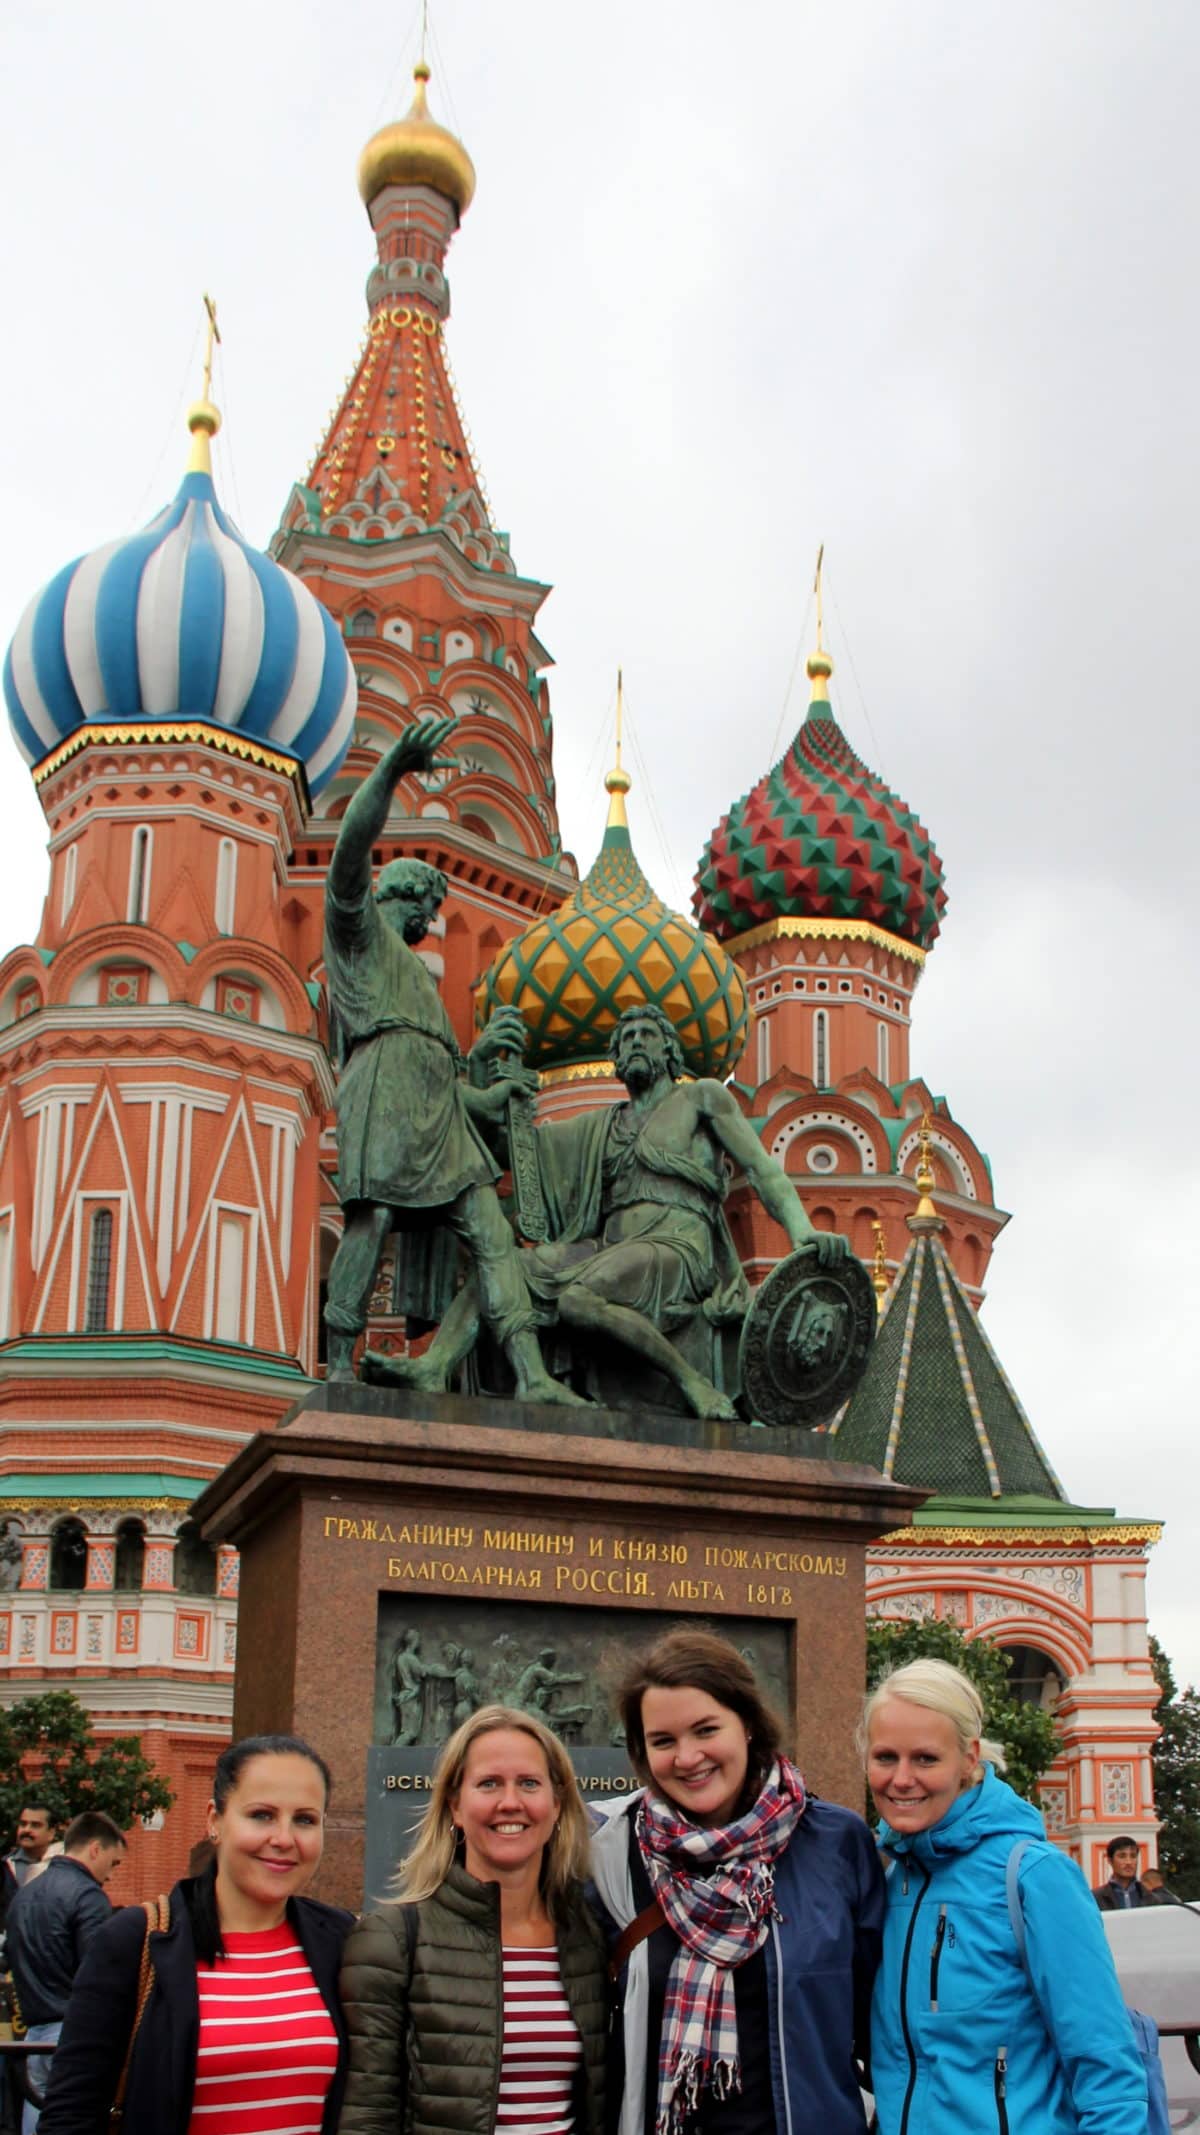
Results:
819 666
617 781
203 419
396 449
925 1216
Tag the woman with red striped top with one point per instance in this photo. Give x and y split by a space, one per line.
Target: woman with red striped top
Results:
478 2002
242 2033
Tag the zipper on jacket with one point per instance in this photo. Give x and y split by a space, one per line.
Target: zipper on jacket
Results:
936 1958
1000 2084
909 2048
787 2100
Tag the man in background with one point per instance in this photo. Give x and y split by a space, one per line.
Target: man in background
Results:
1154 1882
1123 1889
35 1835
50 1924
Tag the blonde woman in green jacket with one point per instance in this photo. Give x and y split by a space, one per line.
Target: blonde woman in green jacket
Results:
477 2001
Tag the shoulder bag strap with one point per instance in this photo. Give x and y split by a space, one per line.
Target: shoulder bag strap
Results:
643 1924
158 1916
1013 1893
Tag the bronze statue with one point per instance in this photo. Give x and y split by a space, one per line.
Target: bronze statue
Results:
638 1243
410 1148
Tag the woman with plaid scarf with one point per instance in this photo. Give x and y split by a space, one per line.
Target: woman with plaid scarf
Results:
746 1917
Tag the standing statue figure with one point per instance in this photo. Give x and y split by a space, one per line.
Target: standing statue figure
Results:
407 1139
639 1242
469 1693
410 1675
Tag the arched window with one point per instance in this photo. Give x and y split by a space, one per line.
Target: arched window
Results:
130 1557
883 1063
68 1555
10 1555
195 1562
67 893
821 1048
99 1271
764 1049
6 1260
1034 1679
139 874
226 899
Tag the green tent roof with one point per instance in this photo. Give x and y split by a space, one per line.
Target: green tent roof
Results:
934 1407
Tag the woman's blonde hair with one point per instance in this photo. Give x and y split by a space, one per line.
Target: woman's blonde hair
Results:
939 1688
565 1858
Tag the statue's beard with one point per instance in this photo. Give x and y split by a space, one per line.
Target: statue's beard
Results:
638 1073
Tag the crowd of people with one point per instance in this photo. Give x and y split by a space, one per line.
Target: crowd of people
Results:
719 1953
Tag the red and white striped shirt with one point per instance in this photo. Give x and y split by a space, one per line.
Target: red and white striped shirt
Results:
268 2048
542 2047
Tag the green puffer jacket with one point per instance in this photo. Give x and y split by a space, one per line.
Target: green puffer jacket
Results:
426 2031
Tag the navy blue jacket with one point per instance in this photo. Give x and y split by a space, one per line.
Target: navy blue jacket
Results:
51 1922
86 2068
821 1955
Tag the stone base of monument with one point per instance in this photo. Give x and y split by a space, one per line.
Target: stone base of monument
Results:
407 1558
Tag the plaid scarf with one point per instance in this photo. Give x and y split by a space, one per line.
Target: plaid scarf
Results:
716 1887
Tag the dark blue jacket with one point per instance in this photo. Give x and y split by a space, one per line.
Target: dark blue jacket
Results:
966 2039
86 2068
51 1921
821 1955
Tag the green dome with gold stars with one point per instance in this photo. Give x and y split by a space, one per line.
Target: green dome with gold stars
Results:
614 945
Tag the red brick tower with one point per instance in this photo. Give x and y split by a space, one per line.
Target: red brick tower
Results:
163 1088
393 530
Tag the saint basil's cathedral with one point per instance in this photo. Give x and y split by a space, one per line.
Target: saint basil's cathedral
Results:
195 715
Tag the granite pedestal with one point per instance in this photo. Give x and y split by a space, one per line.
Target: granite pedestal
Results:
504 1531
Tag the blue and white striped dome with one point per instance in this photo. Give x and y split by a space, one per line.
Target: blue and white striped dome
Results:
183 621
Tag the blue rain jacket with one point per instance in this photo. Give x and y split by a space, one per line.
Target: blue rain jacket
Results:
964 2039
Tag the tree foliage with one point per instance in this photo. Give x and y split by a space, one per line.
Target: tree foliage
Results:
49 1754
1176 1760
1026 1733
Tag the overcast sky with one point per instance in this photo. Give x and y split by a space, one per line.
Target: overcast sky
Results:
916 281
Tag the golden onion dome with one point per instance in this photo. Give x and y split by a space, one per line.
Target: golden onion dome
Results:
614 945
415 150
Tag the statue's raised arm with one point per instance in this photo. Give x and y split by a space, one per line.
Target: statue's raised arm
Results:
349 879
409 1153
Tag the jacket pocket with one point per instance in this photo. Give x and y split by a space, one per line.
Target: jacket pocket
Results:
935 1956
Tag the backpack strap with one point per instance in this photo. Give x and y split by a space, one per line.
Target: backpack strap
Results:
1012 1892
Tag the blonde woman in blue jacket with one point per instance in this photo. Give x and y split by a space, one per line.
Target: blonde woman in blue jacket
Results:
970 2035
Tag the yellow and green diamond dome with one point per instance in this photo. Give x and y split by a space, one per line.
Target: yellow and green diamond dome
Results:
614 945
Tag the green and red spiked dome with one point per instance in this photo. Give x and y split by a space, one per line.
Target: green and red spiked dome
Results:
820 837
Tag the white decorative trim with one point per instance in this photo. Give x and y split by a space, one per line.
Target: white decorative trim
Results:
835 1123
105 1107
73 1017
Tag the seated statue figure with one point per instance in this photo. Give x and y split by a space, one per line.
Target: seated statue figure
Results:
639 1244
